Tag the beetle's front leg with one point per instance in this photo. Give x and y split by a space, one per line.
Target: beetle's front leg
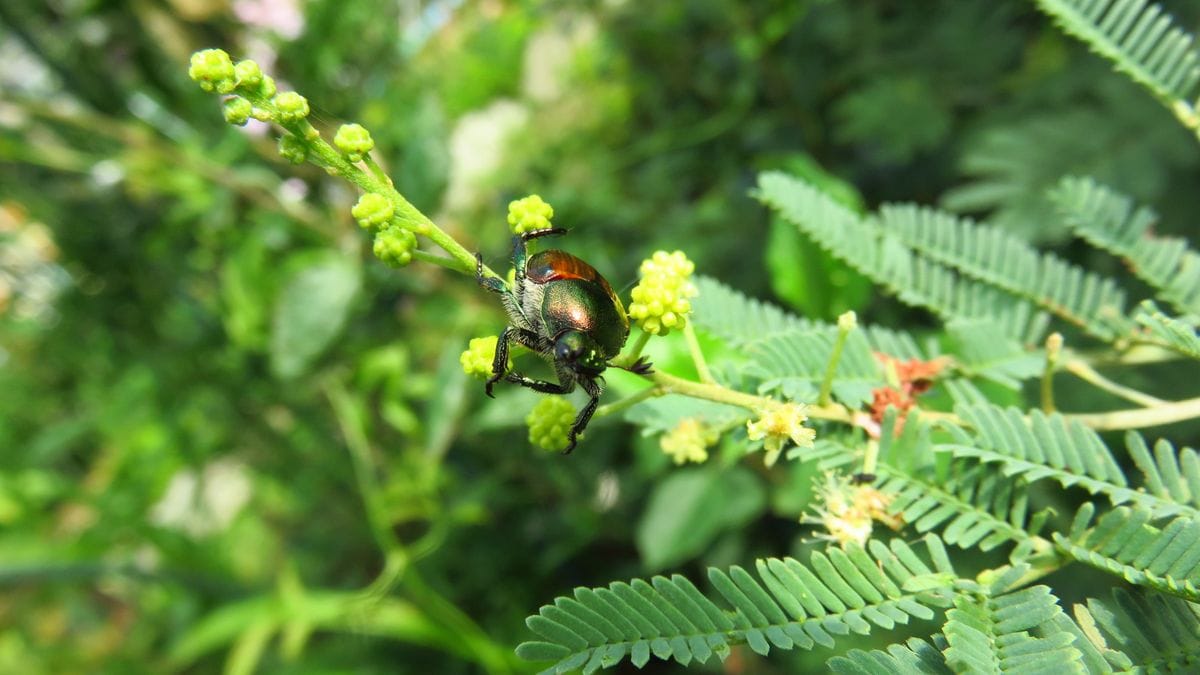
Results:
491 283
593 389
541 385
500 360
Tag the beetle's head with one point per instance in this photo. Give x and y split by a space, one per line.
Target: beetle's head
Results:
580 353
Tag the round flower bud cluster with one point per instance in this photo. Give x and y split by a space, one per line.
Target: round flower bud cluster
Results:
354 141
237 111
373 211
529 214
213 70
779 424
395 245
549 422
688 441
477 359
660 300
292 149
292 107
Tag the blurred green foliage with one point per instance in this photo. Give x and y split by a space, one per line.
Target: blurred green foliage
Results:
230 438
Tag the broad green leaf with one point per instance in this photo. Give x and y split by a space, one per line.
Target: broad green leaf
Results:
310 312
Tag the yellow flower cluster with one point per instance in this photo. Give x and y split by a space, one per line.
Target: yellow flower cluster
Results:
549 422
660 300
529 214
688 441
779 424
477 359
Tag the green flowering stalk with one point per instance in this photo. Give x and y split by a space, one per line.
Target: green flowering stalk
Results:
549 422
396 222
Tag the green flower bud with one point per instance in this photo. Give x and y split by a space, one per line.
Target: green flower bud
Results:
549 422
237 111
267 88
477 359
394 246
249 76
292 149
529 214
354 141
292 107
660 300
213 70
372 211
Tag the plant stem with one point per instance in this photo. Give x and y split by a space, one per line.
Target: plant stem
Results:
628 401
1053 350
1085 372
442 261
689 334
1138 418
824 397
629 358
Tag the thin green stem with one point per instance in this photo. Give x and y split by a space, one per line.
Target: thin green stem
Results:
689 334
825 393
1139 418
1085 372
628 401
1053 350
630 357
440 260
377 170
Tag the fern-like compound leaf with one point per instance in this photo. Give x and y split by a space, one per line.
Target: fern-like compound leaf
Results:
1142 41
914 656
738 319
788 605
1142 629
882 257
1173 333
997 258
1112 222
795 362
973 506
1126 542
1013 632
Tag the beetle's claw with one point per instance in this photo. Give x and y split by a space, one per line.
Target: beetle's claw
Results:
570 446
487 388
641 367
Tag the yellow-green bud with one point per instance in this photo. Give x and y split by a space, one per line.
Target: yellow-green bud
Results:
549 423
847 322
213 70
354 141
373 211
237 111
267 88
660 300
249 76
477 359
779 424
292 107
292 149
394 246
529 214
688 441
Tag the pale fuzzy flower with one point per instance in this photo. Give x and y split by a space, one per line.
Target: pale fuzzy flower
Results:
779 424
848 512
204 503
688 441
477 147
282 17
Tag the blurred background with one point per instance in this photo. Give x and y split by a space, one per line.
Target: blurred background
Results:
230 439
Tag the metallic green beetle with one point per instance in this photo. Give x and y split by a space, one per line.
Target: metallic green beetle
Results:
562 309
